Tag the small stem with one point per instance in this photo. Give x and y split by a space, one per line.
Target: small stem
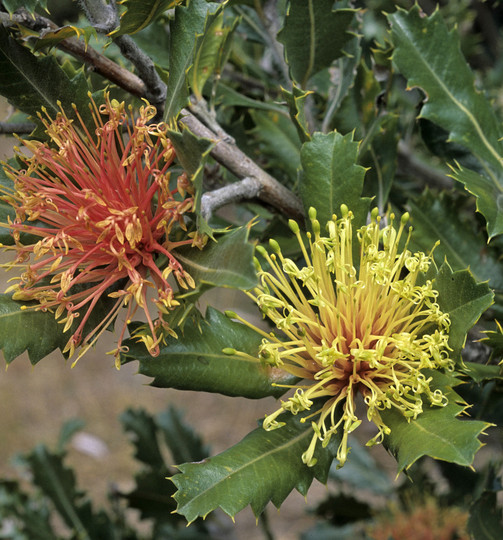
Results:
265 525
248 188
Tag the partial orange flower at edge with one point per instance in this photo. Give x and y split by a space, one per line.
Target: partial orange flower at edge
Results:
103 209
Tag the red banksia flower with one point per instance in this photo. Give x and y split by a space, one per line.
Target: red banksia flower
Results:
349 326
102 206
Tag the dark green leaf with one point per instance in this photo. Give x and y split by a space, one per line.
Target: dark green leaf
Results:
464 300
22 328
12 5
482 372
295 101
278 141
228 262
437 217
143 429
264 466
30 518
228 97
331 176
58 483
453 102
139 15
485 521
436 432
324 33
30 82
192 153
184 444
188 22
195 360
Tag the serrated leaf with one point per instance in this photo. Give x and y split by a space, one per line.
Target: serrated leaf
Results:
184 444
437 217
143 429
324 33
228 262
30 82
39 333
139 14
30 518
482 372
453 101
30 5
331 176
488 197
295 101
58 483
464 300
436 432
485 521
51 39
264 466
195 360
188 22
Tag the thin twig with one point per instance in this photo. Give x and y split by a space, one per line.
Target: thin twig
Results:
245 189
237 162
20 128
104 18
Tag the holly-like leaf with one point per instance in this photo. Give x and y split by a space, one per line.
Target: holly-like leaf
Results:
453 102
23 328
324 33
485 521
331 176
142 427
189 21
195 361
464 300
228 262
295 101
139 15
58 484
30 82
264 466
437 217
436 432
51 39
12 5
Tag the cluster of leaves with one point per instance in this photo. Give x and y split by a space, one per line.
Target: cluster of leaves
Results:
29 513
340 105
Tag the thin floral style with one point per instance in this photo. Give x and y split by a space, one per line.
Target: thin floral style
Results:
348 325
102 206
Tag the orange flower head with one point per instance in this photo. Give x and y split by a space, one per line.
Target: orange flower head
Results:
352 322
102 206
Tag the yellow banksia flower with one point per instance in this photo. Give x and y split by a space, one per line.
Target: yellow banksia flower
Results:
352 325
102 209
